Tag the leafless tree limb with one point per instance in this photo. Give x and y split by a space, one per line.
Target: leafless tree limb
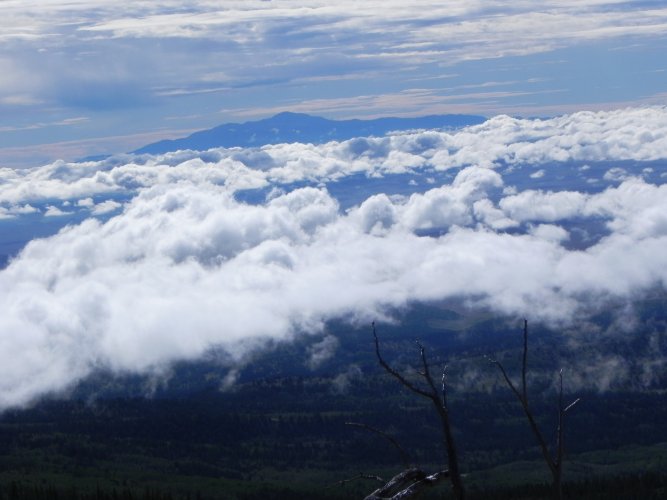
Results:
408 484
571 405
524 362
554 462
361 475
439 401
393 372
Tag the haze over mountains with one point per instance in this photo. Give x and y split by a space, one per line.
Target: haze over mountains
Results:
290 127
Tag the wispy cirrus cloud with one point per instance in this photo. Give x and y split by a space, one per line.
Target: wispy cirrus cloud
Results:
404 103
105 59
42 154
60 123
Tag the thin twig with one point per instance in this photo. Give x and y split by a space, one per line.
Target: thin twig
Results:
524 363
357 478
440 407
393 372
427 372
522 397
571 405
554 461
508 381
444 387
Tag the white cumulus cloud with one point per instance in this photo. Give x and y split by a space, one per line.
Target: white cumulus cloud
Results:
186 268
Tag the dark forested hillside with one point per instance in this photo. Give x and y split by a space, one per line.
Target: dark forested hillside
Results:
279 431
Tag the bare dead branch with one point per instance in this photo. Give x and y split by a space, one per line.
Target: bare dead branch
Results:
358 477
427 372
560 445
401 451
560 390
444 386
555 463
524 362
405 382
523 400
417 489
508 381
439 401
397 483
571 405
409 484
559 429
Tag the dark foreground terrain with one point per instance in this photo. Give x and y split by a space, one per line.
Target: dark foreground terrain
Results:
279 431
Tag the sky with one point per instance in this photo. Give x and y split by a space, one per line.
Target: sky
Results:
83 77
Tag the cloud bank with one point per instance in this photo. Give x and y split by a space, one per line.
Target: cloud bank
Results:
184 267
631 134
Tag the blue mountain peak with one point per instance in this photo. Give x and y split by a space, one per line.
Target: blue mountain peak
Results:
288 127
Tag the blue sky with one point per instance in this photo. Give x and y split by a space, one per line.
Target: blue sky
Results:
82 77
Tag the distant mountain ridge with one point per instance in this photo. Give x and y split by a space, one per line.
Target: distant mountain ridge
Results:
300 127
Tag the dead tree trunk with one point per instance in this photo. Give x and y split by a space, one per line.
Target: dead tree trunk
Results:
554 461
439 401
409 484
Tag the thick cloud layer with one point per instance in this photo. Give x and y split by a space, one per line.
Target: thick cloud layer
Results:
185 267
